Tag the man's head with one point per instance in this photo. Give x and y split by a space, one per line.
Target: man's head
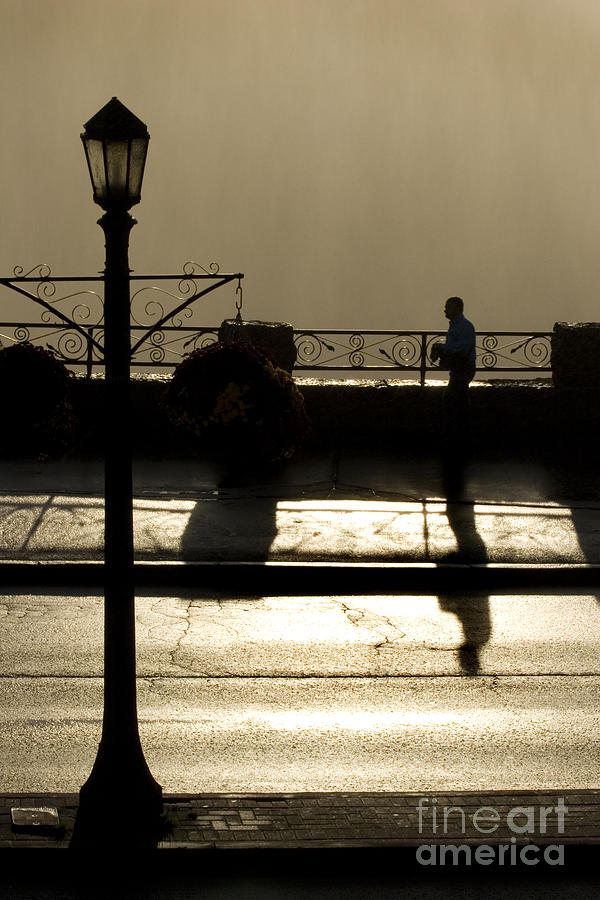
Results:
453 307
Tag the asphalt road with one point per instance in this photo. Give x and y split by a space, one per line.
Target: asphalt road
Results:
284 694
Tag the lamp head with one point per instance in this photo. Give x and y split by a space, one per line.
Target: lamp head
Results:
115 143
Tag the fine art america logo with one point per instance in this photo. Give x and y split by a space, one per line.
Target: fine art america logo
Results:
515 833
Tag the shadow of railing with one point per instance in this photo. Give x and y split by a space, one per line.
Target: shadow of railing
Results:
577 488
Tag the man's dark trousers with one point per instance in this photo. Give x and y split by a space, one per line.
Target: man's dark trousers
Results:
457 412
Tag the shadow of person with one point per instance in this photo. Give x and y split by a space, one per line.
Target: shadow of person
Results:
471 607
473 611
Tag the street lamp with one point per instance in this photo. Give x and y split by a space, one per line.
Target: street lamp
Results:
115 143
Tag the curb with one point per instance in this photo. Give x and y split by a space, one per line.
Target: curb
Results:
311 578
337 821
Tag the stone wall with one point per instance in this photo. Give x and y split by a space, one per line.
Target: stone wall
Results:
509 414
514 416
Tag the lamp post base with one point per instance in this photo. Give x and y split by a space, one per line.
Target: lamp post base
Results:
120 784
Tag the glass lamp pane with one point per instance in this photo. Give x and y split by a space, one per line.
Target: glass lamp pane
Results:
116 167
137 160
94 151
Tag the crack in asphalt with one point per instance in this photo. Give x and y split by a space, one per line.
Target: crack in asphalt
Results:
187 623
362 618
493 686
178 614
184 615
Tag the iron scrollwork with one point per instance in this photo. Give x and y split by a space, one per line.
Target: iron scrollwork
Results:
71 324
359 350
166 347
523 352
69 306
190 290
156 310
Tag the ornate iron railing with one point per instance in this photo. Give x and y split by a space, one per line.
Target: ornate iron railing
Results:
165 327
72 323
396 352
512 352
163 349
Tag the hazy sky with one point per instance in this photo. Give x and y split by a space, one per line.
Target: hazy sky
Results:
359 160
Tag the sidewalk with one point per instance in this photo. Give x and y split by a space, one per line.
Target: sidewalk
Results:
371 509
327 820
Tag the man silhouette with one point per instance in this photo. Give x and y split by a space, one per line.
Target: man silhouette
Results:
457 354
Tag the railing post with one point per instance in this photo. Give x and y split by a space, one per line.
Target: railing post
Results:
423 357
89 358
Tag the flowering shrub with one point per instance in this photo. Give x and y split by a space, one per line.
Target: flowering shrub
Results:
37 414
235 400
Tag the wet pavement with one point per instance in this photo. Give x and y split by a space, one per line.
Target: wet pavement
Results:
331 508
325 508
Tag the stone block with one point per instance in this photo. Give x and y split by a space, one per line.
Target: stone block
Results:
275 337
575 355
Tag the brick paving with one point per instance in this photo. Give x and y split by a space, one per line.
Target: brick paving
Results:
304 820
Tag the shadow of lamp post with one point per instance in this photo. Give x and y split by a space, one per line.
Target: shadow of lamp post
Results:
115 143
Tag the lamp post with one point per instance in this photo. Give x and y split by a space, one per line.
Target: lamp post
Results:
115 143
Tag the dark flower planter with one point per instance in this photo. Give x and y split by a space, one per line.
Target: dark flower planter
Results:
237 405
38 419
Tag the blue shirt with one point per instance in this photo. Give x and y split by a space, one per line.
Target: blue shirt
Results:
461 338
